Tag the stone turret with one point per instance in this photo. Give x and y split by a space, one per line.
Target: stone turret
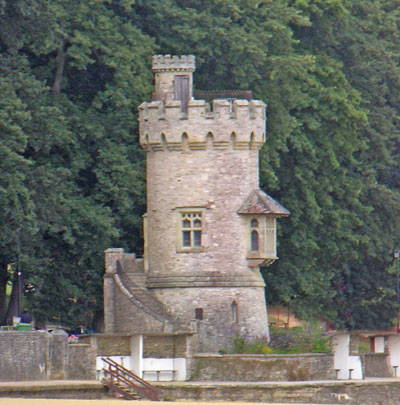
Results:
174 118
173 78
208 227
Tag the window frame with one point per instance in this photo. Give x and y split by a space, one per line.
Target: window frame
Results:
192 230
265 227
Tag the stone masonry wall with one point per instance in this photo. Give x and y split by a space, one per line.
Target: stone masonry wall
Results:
262 368
57 358
39 355
110 345
128 318
165 346
376 365
217 327
23 356
81 362
328 392
216 181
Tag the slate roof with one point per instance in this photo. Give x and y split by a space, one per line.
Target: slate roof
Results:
260 203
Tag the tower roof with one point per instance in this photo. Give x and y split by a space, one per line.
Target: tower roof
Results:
259 202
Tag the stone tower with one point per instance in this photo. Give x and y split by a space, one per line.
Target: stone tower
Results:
208 226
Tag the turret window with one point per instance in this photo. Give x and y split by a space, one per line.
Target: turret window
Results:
254 242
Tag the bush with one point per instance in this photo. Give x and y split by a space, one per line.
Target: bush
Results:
308 339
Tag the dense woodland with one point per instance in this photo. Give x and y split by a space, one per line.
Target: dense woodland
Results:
72 174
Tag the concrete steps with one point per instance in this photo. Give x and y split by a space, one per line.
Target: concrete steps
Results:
134 269
134 281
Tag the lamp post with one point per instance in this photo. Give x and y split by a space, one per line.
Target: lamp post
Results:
19 274
396 255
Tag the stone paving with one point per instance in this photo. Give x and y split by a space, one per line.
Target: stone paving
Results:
17 401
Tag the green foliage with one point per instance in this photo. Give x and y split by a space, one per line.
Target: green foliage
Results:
72 174
72 76
311 338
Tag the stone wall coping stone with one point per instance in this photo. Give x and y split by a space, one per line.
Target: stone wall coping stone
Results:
275 384
112 335
259 356
34 386
79 344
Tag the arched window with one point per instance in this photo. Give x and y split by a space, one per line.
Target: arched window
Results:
234 312
254 241
254 245
254 223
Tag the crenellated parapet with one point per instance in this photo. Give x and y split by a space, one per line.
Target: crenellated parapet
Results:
184 63
239 124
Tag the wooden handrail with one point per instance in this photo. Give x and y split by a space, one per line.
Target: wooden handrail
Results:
121 374
130 384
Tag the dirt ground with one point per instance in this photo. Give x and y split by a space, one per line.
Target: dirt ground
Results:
13 401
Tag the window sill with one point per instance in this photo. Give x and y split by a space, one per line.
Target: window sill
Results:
189 250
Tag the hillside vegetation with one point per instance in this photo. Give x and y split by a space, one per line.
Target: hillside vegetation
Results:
72 177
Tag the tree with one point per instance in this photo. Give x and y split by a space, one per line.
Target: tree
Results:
80 85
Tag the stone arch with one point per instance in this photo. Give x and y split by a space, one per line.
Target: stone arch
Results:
233 140
185 142
164 141
210 140
252 140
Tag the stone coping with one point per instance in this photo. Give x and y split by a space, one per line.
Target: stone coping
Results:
45 385
277 384
258 356
113 335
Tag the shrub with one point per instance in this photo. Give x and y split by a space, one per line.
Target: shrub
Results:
308 339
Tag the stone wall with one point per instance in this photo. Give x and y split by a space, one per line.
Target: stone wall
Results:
376 365
167 346
110 345
81 362
298 367
317 392
39 355
24 356
57 360
129 318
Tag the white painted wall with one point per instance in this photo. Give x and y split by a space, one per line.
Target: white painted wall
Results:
136 360
341 356
355 364
167 369
394 352
100 364
163 369
379 344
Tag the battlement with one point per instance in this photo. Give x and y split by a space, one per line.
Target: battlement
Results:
221 124
163 63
